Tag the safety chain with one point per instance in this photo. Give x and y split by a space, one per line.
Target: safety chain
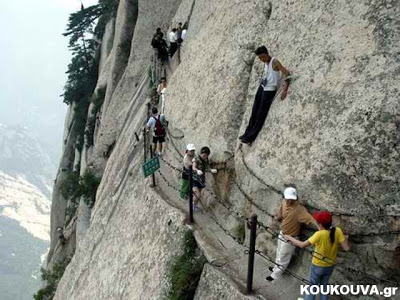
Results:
378 233
313 253
236 239
173 144
177 137
257 177
251 200
259 207
167 182
309 205
362 273
266 257
274 234
170 165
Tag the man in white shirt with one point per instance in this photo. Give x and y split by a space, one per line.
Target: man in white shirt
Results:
173 42
265 94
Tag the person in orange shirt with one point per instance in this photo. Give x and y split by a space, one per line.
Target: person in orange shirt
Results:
326 242
292 216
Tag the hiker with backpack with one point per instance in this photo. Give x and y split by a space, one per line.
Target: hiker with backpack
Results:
200 164
326 241
265 94
158 122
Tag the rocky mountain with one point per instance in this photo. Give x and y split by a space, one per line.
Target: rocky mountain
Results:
336 137
21 154
25 188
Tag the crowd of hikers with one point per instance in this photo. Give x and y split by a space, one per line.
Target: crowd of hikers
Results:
175 39
291 215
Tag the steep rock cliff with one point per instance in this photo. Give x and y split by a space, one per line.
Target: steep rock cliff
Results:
336 136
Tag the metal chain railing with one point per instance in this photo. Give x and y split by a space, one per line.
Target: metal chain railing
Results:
273 233
277 191
168 183
268 229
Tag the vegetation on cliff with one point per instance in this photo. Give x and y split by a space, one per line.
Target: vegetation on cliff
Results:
185 270
73 187
83 69
51 277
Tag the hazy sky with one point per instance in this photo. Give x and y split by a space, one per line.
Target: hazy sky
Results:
34 58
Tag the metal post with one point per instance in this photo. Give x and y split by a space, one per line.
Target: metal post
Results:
250 268
144 144
191 221
148 110
137 137
152 175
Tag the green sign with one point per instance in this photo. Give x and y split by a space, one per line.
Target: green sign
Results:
150 166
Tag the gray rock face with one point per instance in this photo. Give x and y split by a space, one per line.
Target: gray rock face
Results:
336 136
214 285
139 30
133 235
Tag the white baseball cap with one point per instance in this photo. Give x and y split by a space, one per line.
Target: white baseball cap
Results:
290 193
190 147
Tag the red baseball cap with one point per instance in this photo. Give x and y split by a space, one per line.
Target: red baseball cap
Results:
323 217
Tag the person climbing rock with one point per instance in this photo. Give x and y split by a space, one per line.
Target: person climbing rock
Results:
326 241
293 215
162 87
173 45
187 162
158 122
200 164
265 94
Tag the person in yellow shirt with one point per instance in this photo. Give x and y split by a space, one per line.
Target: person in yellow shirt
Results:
326 242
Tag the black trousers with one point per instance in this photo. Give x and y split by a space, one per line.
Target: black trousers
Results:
172 49
259 113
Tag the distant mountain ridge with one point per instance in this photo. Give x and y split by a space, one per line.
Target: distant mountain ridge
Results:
22 155
26 174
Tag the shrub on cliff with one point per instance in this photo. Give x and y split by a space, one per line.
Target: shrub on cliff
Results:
74 186
91 124
83 69
51 277
88 185
185 270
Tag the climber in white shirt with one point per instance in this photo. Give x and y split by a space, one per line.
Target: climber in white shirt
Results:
265 94
173 45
